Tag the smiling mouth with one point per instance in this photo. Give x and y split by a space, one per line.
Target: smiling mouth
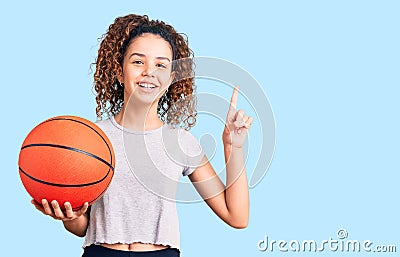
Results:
146 85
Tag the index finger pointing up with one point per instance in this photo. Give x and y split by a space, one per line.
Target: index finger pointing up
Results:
234 98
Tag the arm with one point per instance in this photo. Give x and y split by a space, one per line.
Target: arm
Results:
75 222
230 203
77 226
237 192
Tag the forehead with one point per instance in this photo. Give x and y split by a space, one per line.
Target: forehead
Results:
150 45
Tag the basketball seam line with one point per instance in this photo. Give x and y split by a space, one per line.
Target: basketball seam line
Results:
71 119
71 149
92 201
64 185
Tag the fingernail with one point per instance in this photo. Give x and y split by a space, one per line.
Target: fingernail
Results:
44 201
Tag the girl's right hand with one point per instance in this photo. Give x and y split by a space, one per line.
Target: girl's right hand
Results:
53 210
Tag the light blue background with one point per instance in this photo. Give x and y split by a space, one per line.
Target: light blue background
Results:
330 70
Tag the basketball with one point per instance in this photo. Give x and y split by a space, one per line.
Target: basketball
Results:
68 159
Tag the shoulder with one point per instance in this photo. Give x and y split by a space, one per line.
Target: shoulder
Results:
182 139
177 132
185 136
105 124
189 142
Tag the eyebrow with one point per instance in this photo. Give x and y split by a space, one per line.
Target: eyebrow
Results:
143 55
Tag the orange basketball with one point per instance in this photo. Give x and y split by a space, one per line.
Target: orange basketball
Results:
66 158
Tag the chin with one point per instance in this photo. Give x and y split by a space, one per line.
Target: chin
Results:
144 99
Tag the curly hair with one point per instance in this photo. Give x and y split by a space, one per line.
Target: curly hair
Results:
177 107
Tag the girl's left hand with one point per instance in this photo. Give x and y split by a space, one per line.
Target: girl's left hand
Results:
237 124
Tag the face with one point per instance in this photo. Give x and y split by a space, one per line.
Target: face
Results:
146 70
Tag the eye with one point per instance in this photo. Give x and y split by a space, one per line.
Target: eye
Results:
137 62
162 65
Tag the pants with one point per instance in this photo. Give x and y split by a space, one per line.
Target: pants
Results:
100 251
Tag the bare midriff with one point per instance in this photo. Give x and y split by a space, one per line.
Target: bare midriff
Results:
135 247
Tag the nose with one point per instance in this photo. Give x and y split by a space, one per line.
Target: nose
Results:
148 71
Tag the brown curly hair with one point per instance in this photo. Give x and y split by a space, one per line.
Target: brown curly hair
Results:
177 107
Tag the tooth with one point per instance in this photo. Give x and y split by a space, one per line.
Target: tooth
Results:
147 85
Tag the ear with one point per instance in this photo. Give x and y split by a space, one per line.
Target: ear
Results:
120 74
171 77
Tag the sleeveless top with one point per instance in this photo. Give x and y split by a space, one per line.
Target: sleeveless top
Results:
139 204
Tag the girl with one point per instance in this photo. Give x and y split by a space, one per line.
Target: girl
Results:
144 84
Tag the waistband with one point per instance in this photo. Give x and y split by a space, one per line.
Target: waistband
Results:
98 250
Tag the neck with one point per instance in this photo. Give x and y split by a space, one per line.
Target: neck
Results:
139 117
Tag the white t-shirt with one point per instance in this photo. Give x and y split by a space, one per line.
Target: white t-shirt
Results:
139 205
